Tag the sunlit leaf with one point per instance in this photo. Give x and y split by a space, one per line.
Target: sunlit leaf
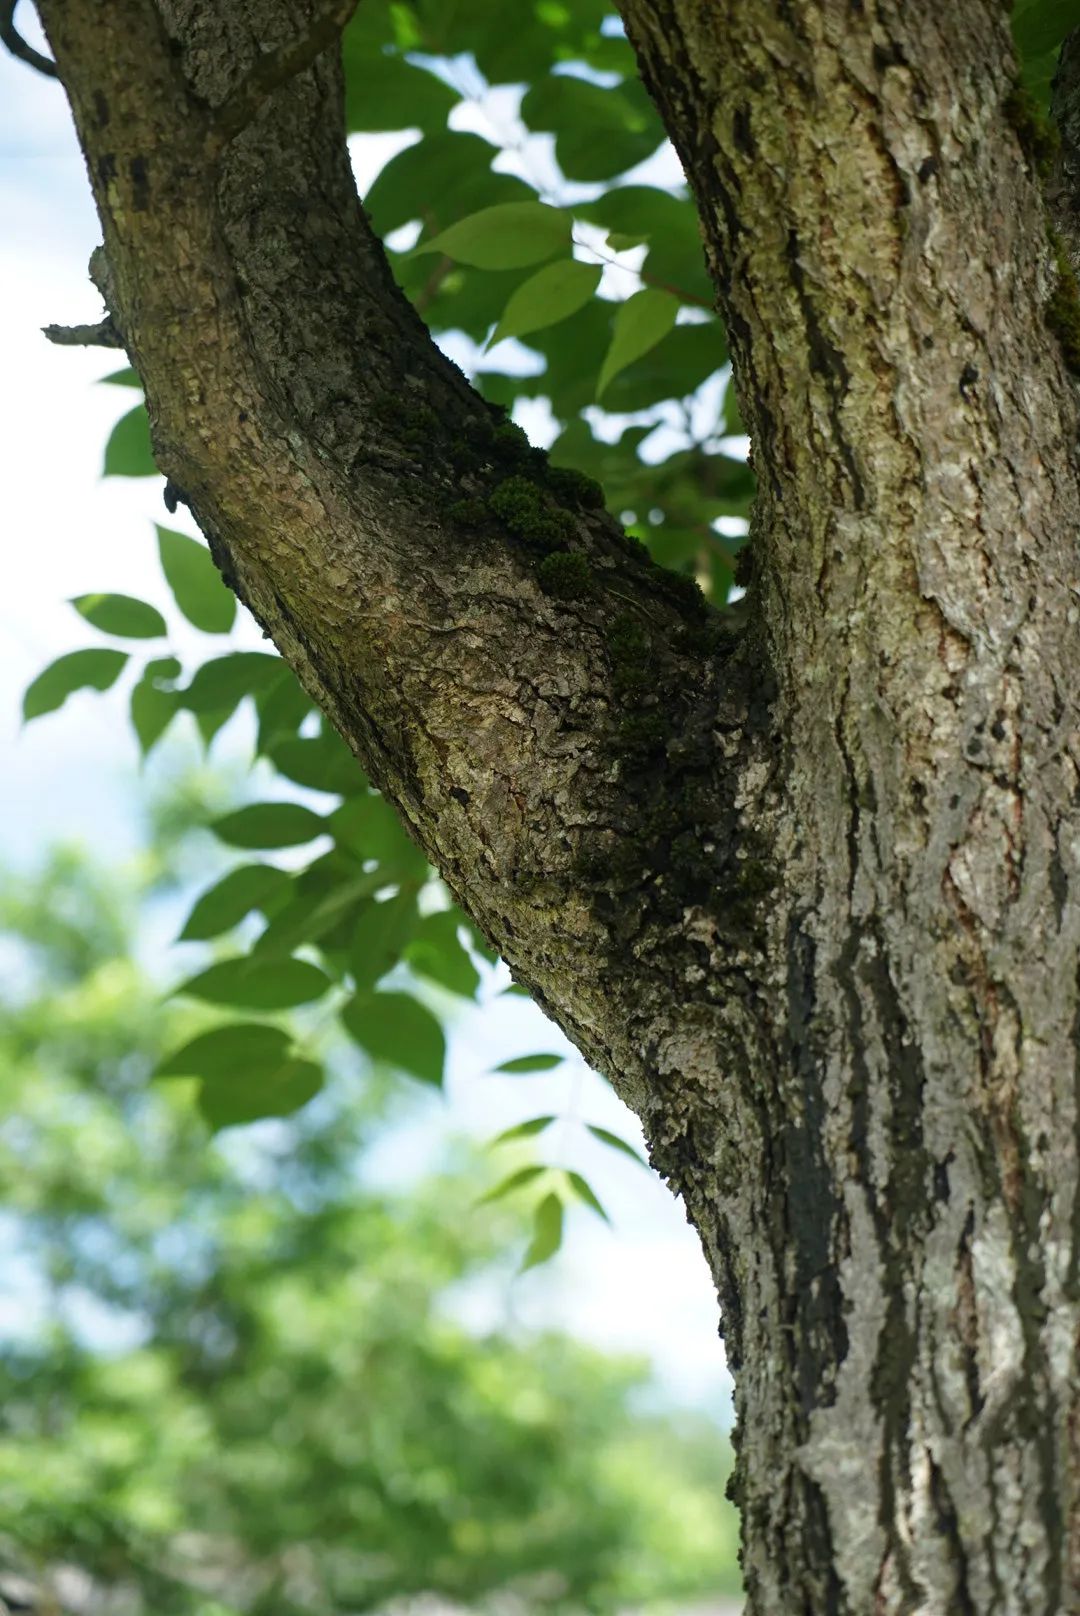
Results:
523 1130
223 681
382 931
442 179
399 1031
640 323
123 378
583 1192
282 705
228 901
436 952
319 910
269 824
258 982
128 452
600 131
154 702
277 1090
505 237
320 762
370 828
513 1181
122 615
232 1050
552 294
612 1139
547 1232
390 93
530 1063
77 670
195 582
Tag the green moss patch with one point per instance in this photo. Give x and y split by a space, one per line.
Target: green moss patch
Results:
566 574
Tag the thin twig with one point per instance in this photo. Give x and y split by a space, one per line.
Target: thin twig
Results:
649 280
11 38
102 335
442 269
275 68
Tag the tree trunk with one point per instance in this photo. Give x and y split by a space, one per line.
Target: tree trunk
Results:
823 933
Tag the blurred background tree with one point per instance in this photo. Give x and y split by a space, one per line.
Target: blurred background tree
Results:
234 1376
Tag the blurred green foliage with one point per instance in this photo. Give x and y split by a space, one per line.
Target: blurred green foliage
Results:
233 1377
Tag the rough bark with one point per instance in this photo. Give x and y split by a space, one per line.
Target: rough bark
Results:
824 935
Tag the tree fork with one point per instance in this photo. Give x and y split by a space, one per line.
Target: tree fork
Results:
814 913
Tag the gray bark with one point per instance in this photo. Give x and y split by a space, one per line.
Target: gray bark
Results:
823 933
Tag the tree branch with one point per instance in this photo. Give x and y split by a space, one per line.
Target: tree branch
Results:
276 68
362 498
102 335
16 44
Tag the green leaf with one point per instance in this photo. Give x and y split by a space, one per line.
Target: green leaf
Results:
269 824
599 131
228 901
674 367
505 237
122 615
523 1130
320 762
317 911
128 452
369 828
675 261
381 934
230 1051
581 1189
78 670
123 378
387 92
1037 77
282 706
436 952
440 179
620 241
276 1090
551 295
514 1181
616 1143
547 1233
258 983
209 724
154 703
456 297
224 681
480 943
399 1031
530 1063
196 584
640 323
1040 26
248 1071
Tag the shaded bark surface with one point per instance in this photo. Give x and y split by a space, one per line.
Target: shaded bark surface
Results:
825 938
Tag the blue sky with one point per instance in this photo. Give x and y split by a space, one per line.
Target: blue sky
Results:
642 1286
